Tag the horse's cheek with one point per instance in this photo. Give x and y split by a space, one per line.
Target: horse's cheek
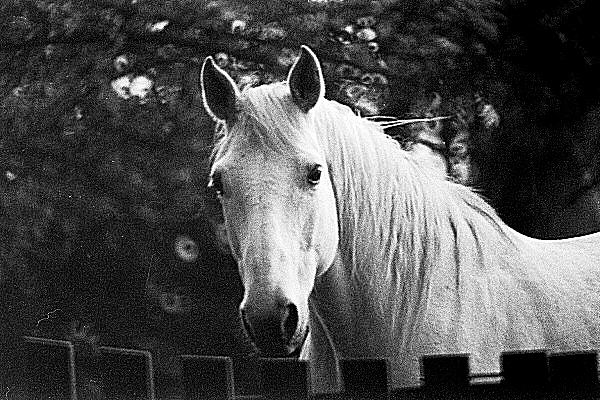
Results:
231 227
328 235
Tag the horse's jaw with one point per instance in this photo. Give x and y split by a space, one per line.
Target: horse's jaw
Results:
329 307
319 350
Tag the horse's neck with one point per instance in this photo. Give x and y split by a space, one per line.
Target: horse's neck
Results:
397 234
378 206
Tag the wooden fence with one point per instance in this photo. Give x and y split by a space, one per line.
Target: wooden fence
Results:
50 371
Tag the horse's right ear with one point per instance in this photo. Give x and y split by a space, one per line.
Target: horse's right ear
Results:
219 91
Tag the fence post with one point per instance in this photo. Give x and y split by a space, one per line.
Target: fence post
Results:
126 374
284 378
48 369
364 378
574 372
525 369
207 377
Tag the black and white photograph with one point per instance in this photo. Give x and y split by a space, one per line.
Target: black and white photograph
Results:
299 199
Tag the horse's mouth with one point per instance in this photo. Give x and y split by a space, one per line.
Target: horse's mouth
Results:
279 348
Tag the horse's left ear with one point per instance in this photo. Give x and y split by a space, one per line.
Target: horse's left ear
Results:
306 80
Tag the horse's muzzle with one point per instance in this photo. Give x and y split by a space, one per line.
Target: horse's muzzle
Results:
275 334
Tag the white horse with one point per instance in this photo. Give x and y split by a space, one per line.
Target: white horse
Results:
337 228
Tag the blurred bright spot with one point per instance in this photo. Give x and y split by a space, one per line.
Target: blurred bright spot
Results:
121 62
186 248
125 87
140 86
158 26
121 86
173 303
18 91
238 26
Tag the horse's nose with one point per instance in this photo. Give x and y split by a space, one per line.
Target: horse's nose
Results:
271 329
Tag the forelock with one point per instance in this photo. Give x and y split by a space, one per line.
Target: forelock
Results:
267 114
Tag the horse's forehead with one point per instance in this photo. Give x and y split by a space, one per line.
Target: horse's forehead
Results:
291 151
245 157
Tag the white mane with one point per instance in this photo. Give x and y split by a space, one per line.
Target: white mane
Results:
396 219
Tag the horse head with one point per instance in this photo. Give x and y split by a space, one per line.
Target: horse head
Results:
271 175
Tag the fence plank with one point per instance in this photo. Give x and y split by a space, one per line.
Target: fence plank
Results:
126 374
206 377
48 369
574 370
525 369
448 371
364 377
284 378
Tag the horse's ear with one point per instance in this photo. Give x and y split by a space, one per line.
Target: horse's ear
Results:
306 80
219 91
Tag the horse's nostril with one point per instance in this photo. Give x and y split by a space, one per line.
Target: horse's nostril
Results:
290 322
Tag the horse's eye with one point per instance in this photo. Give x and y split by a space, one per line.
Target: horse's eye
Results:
314 174
216 183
